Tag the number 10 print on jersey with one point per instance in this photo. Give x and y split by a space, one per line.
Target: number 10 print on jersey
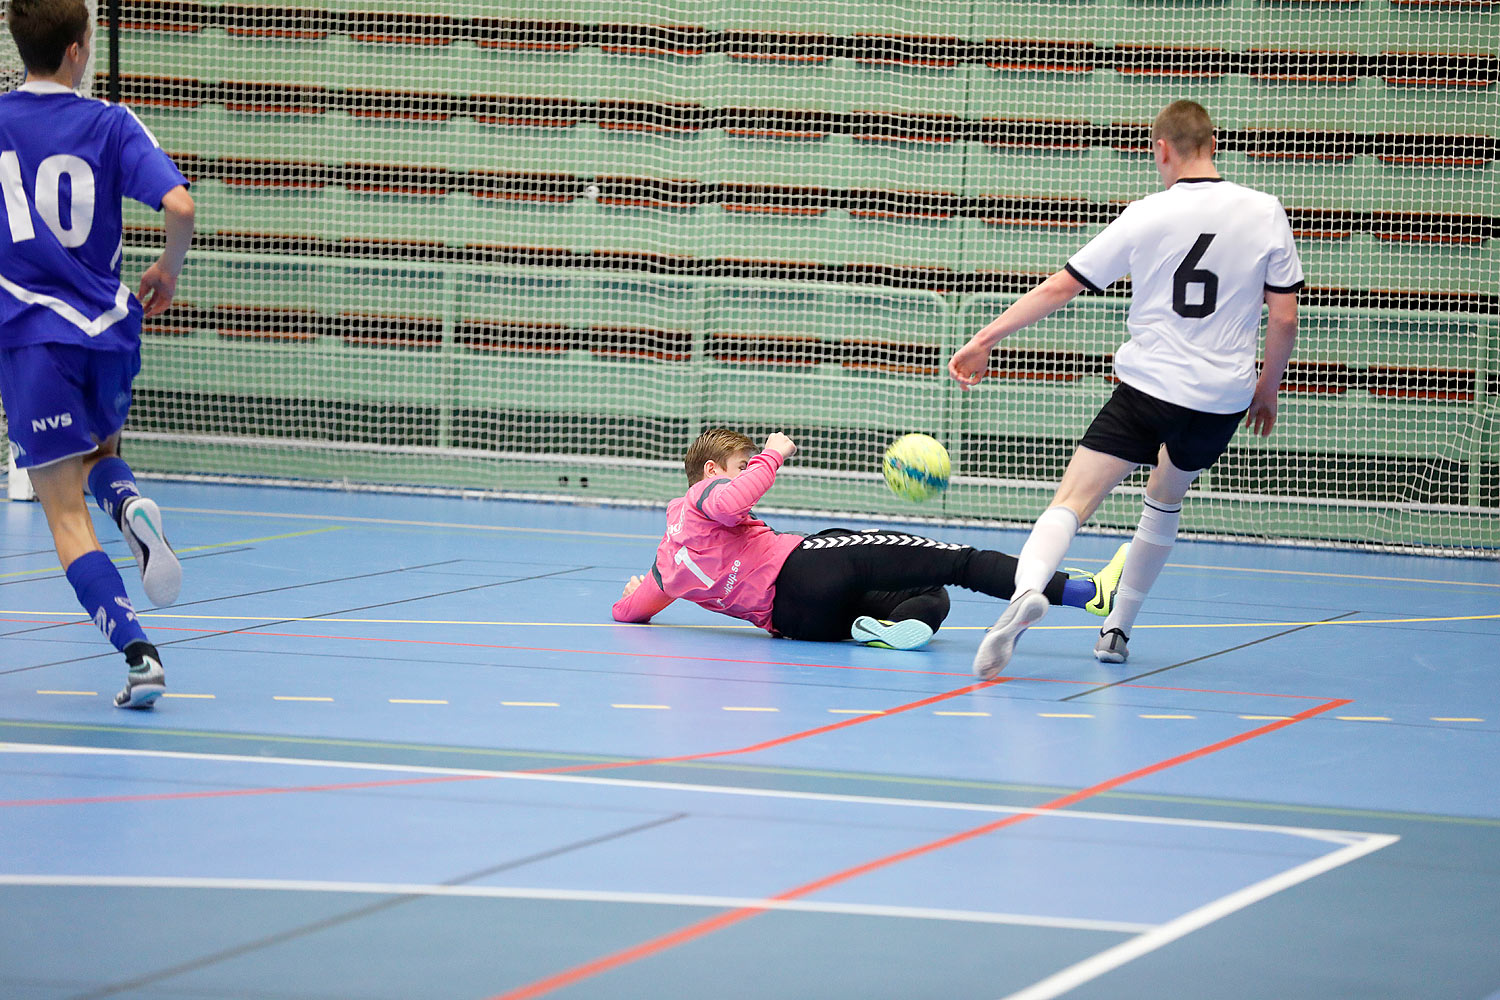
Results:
66 162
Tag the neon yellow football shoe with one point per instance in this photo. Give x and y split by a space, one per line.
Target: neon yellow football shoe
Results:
1106 582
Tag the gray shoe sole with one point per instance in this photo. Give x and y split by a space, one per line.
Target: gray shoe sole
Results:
142 692
1111 648
1000 641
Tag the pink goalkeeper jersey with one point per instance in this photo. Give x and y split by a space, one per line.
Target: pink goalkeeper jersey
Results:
715 552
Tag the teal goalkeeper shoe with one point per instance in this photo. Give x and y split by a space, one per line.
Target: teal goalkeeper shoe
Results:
908 634
1106 582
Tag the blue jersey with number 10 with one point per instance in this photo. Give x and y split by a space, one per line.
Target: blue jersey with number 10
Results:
65 163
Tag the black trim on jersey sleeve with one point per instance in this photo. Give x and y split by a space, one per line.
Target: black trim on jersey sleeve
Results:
706 491
1284 289
656 575
1085 282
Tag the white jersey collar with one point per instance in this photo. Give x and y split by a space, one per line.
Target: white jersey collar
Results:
45 87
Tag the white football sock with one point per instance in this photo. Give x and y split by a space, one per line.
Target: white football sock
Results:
1153 541
1045 548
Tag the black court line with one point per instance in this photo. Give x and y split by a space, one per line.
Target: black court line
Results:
370 909
81 620
1206 656
63 576
208 600
382 604
20 555
289 621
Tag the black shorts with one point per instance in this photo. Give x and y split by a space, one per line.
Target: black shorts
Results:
1134 425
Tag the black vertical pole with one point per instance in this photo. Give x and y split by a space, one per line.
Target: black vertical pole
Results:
112 85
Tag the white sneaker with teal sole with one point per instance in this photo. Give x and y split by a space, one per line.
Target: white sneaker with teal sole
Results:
145 680
161 573
908 634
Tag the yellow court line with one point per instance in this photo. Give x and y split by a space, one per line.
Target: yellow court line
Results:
530 704
93 693
407 523
1454 718
127 560
179 694
1333 576
404 522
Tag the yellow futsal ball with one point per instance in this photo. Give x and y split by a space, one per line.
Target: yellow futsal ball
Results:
916 467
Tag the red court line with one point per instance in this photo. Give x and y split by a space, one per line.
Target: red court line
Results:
253 630
600 766
730 917
780 740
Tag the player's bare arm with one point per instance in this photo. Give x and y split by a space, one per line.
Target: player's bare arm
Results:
969 363
1281 337
159 283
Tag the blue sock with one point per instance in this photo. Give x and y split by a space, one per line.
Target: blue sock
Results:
102 594
1077 593
112 483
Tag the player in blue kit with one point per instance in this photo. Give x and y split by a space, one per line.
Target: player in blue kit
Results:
70 330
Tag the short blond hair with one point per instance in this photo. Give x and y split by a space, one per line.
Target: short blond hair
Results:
718 444
1186 127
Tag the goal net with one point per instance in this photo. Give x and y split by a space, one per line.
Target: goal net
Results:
536 246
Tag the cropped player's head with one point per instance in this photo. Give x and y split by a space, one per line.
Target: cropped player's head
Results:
44 30
1184 126
719 446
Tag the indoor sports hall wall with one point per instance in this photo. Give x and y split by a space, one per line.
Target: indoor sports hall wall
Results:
537 246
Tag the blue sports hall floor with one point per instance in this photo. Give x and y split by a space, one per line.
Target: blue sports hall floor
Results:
407 754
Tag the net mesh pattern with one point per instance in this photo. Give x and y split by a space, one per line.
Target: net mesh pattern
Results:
538 247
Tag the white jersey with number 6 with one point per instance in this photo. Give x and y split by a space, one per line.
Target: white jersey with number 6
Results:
1201 256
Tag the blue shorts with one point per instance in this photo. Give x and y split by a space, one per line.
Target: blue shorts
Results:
63 400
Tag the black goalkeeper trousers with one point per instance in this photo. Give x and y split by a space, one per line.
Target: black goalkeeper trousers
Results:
837 575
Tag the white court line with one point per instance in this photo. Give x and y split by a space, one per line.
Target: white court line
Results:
579 895
1353 845
1340 837
1112 958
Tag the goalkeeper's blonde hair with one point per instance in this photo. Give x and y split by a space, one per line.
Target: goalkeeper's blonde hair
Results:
1185 126
719 445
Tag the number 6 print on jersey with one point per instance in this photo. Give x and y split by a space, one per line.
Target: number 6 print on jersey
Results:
1188 273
